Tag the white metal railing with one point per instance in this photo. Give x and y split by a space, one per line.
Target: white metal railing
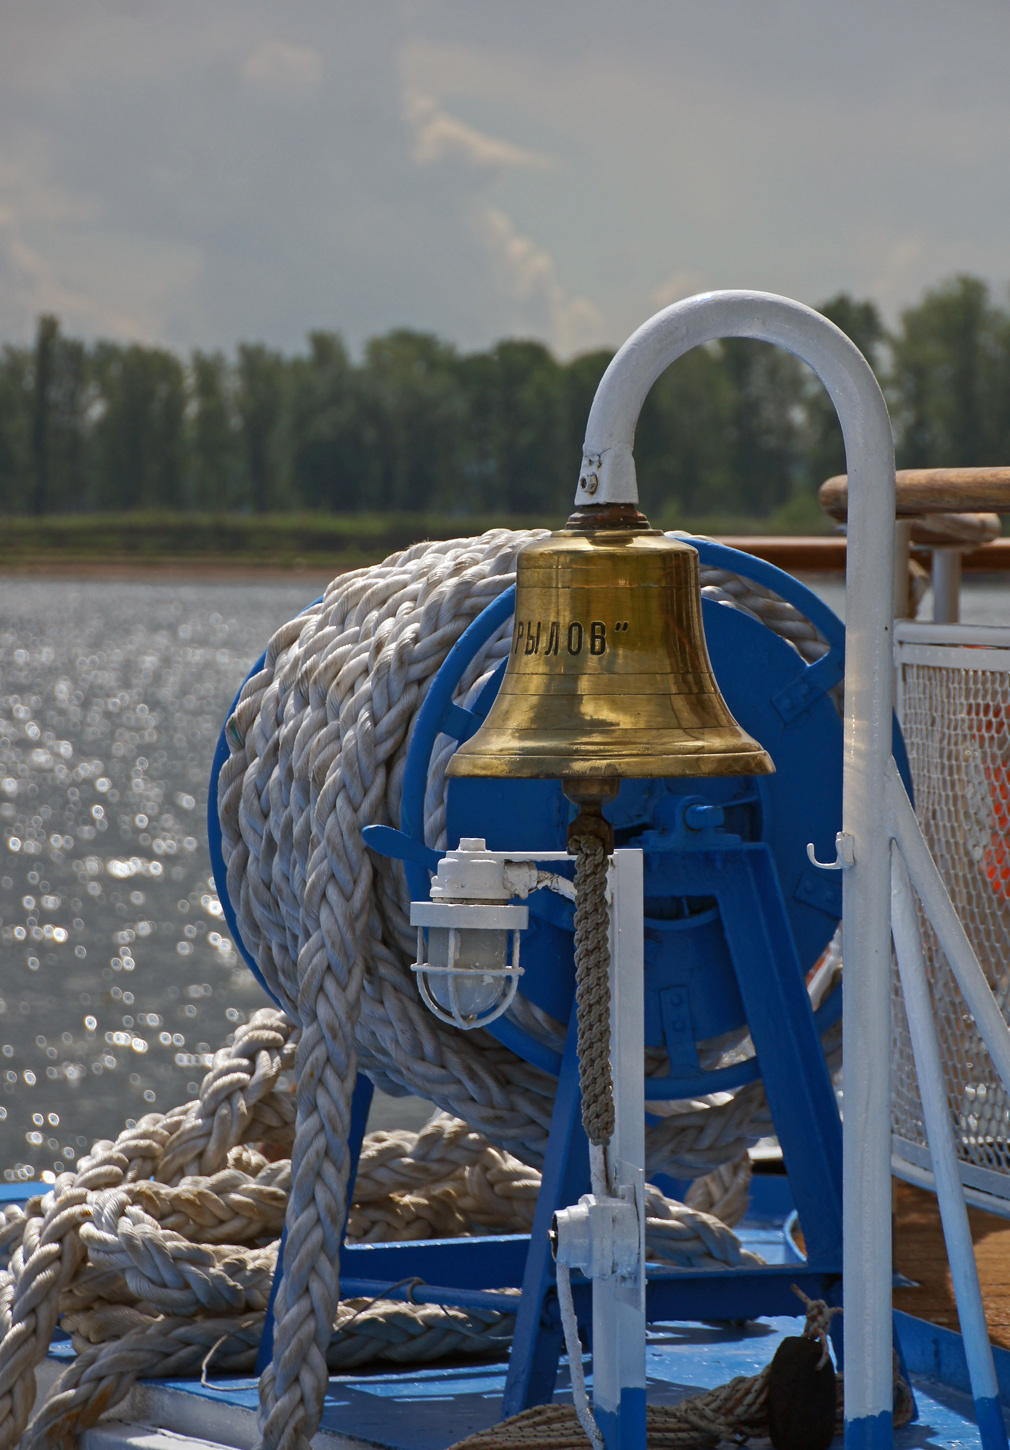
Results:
953 684
880 836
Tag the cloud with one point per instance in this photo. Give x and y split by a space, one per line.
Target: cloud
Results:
684 282
439 136
57 256
901 262
202 173
571 323
287 70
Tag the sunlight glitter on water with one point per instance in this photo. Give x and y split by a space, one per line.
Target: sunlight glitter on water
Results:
119 978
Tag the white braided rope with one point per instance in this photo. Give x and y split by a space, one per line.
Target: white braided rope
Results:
318 746
98 1209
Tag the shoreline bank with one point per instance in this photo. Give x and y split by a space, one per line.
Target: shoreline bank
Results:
794 554
178 571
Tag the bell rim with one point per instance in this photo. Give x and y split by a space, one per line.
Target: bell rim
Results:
519 765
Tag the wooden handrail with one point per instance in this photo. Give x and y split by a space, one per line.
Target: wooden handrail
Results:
826 555
932 491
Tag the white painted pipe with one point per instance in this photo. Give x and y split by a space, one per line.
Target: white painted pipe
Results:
619 1302
608 476
946 1174
946 586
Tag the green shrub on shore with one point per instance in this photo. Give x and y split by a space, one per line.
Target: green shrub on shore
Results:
266 538
298 538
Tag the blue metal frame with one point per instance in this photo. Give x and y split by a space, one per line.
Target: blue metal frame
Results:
803 1108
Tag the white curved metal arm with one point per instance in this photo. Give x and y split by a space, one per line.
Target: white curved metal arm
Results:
608 468
608 476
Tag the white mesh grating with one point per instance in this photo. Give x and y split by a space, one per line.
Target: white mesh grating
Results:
954 701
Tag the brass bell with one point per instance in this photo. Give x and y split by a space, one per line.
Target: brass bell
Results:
608 675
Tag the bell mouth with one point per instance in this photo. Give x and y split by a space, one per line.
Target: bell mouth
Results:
542 759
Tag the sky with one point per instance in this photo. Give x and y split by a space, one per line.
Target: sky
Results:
199 172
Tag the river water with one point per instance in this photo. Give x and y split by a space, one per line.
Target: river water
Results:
118 979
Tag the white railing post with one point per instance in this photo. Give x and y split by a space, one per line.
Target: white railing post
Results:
619 1302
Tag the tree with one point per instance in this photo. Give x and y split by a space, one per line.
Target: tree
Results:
139 436
682 442
15 430
949 385
329 456
733 431
720 433
214 437
261 406
413 410
46 335
60 397
515 432
766 432
862 322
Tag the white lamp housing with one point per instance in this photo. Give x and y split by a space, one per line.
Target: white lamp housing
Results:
464 972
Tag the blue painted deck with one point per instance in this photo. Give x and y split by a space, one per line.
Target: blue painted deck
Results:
432 1408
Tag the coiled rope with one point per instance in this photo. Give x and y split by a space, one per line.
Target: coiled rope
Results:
155 1270
731 1413
318 748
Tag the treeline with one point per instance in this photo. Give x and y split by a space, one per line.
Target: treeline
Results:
734 429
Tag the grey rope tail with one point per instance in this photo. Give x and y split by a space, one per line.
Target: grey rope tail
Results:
592 988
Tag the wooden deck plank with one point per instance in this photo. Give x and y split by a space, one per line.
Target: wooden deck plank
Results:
920 1255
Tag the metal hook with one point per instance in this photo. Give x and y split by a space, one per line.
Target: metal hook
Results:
845 854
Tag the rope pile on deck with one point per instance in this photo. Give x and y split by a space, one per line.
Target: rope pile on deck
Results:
159 1250
741 1410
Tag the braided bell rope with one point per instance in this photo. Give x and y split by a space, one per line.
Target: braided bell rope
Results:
592 988
319 739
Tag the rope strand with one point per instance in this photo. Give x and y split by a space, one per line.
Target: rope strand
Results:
592 989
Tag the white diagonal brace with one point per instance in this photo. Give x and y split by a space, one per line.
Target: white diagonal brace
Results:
945 922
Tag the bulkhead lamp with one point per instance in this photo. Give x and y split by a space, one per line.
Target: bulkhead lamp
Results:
464 971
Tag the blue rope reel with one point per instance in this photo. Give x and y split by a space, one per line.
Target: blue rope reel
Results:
691 988
704 886
692 993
